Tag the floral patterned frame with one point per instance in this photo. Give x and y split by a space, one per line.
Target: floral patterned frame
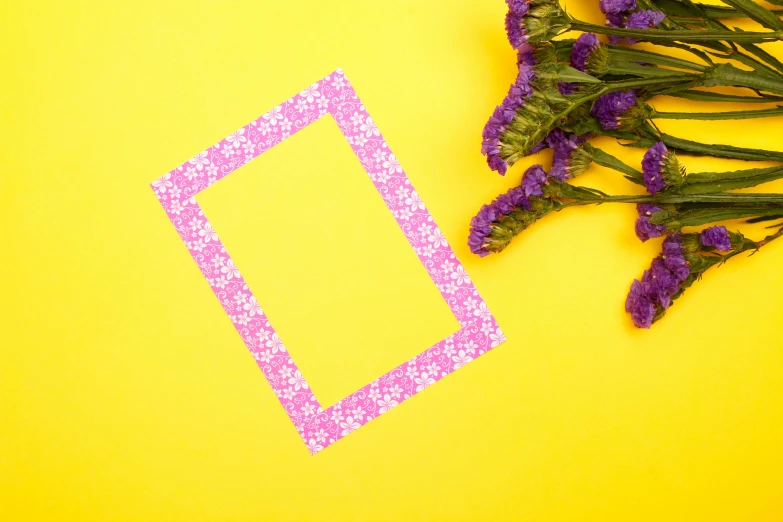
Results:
318 426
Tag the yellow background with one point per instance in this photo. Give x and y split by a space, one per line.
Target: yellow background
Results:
126 394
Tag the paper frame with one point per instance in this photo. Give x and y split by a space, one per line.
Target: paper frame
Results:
319 427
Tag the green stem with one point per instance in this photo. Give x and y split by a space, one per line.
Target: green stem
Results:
634 69
693 148
681 36
707 96
713 182
759 201
638 55
701 216
727 115
727 75
612 87
676 9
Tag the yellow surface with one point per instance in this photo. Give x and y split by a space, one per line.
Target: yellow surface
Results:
126 394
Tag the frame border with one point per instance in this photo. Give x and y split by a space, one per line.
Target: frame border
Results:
319 427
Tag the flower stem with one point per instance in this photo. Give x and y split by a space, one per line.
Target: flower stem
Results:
708 96
681 35
625 54
616 86
728 115
727 75
678 9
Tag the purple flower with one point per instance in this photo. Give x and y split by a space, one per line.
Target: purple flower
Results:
533 181
610 107
481 224
640 306
564 146
539 147
717 237
652 167
644 229
616 6
659 284
567 89
615 20
517 9
506 111
644 19
582 49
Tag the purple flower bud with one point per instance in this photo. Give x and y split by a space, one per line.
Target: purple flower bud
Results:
504 113
610 107
533 181
644 229
640 306
615 7
644 19
497 163
517 9
481 224
652 167
717 237
567 162
538 147
615 20
567 89
659 284
583 47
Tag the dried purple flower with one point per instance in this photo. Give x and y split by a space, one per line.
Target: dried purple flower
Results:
616 7
567 89
644 229
569 159
661 169
583 47
640 306
644 19
482 224
609 108
717 237
653 294
652 167
534 180
496 224
517 9
503 115
615 20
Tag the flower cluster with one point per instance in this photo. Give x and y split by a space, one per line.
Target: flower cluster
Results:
570 159
613 110
659 284
505 113
661 169
684 258
570 91
624 13
644 229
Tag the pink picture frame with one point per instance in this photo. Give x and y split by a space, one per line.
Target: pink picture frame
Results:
317 425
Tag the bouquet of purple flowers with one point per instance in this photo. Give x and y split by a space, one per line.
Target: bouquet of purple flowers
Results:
569 91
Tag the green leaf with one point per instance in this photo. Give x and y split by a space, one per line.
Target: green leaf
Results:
712 182
566 73
607 160
719 150
757 12
725 115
